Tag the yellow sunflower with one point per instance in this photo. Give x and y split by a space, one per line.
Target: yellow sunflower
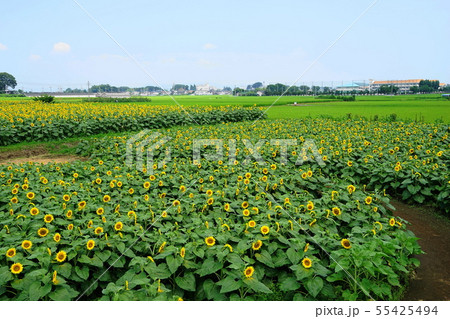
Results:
346 243
57 237
42 232
48 218
306 262
61 256
16 268
210 241
351 189
90 244
26 244
265 230
336 211
392 222
118 226
257 245
11 252
82 204
248 272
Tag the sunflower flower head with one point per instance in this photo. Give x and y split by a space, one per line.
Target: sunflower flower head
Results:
210 241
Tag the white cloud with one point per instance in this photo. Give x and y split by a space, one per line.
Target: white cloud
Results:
3 47
34 57
209 46
61 47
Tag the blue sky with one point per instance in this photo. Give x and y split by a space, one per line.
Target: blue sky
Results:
53 43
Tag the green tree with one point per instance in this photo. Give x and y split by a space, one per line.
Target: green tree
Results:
427 86
315 89
388 89
275 89
237 91
176 87
414 89
257 85
7 80
304 89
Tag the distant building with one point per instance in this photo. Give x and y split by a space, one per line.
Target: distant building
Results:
205 89
354 86
403 85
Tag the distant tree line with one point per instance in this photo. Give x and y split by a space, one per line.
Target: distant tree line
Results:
106 88
184 87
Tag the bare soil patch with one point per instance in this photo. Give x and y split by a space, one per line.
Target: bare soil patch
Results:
38 155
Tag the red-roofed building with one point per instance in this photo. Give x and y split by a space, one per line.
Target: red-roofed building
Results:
403 85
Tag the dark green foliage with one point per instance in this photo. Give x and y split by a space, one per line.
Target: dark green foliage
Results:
44 98
118 100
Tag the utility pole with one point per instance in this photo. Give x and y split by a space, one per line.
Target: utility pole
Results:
89 96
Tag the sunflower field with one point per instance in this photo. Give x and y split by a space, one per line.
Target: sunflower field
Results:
36 121
229 229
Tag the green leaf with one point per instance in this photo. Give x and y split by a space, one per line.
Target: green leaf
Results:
103 255
265 258
293 256
335 276
187 282
37 291
173 263
256 285
64 270
157 272
209 266
211 290
289 284
5 275
314 286
301 272
63 294
393 280
229 284
82 272
412 189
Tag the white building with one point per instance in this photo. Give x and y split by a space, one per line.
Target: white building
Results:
403 85
205 89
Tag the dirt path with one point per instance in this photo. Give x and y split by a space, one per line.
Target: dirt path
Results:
432 281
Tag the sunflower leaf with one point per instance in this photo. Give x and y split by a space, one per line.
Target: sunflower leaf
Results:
187 282
256 285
